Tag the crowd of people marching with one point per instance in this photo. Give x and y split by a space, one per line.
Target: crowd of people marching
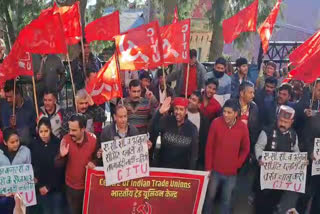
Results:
223 127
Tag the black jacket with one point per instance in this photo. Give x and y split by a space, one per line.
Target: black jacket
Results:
179 145
254 125
203 135
155 90
42 159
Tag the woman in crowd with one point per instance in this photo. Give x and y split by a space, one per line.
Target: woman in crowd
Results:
49 179
11 153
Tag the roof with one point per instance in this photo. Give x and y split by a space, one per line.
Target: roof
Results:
129 18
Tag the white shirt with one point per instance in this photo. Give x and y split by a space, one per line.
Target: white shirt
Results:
195 119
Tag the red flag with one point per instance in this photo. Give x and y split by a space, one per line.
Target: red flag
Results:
176 15
265 30
44 35
104 28
107 84
140 48
22 59
70 17
176 42
244 21
306 50
308 71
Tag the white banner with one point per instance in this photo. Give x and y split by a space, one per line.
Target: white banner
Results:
125 159
316 154
18 179
284 171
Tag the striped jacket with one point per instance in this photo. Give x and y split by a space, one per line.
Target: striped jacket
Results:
55 120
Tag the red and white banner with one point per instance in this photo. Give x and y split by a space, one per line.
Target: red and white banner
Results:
164 191
140 48
176 42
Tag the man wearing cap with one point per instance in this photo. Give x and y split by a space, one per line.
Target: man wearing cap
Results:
227 148
280 138
179 136
239 77
218 72
196 79
210 107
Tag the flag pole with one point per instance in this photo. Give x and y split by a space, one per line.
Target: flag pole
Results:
118 68
82 46
165 81
313 92
35 96
14 97
187 82
72 82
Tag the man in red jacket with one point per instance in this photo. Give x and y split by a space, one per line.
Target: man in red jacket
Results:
227 148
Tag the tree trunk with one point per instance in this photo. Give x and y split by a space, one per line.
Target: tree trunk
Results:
10 26
169 6
217 44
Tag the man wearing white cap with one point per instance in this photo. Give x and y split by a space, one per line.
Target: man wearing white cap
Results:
281 138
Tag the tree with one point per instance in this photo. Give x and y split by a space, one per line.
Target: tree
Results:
222 9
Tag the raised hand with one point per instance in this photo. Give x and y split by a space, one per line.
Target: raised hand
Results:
64 148
165 105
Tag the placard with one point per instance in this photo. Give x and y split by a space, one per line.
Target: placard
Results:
164 191
316 154
18 179
284 171
125 159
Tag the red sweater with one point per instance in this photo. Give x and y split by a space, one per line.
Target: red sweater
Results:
227 148
212 109
77 159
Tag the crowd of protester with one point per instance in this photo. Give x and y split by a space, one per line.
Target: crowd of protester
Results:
223 126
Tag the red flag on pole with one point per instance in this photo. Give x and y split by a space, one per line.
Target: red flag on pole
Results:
176 42
310 47
244 21
140 48
308 71
265 30
44 35
107 84
22 59
70 17
176 15
104 28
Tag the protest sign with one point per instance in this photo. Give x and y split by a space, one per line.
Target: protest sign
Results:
125 159
164 191
316 154
284 171
18 179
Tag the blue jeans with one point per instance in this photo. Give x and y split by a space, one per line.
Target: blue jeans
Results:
52 203
227 184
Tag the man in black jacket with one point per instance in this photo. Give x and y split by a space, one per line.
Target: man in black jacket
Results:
201 122
179 137
158 89
249 111
265 98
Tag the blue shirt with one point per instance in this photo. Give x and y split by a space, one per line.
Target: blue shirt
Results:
25 119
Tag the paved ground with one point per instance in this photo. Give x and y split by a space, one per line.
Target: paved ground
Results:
243 190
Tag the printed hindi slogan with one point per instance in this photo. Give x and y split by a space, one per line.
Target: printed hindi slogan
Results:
164 191
316 154
284 171
18 179
125 159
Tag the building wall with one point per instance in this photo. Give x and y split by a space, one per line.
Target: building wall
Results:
200 38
